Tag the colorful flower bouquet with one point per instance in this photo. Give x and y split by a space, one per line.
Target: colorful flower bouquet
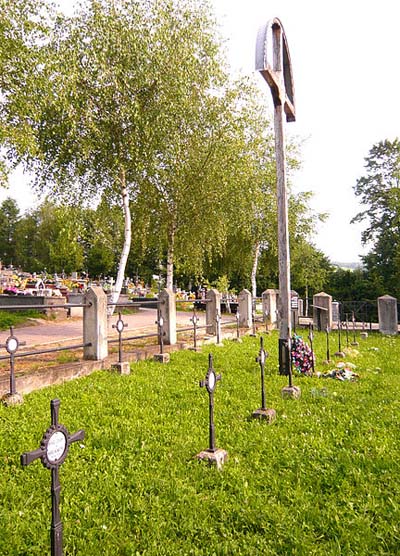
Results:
302 355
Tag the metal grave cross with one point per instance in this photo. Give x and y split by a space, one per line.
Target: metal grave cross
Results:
311 340
210 383
52 451
237 324
261 358
12 344
263 413
120 325
160 325
274 64
195 319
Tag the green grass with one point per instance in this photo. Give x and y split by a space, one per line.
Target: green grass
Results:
323 480
15 318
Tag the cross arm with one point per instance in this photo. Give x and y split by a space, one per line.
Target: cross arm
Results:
79 435
29 457
274 64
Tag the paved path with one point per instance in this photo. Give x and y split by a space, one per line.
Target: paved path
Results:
54 332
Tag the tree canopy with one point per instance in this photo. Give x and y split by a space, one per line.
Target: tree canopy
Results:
379 192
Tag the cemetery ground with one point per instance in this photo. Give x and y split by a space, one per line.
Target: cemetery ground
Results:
323 479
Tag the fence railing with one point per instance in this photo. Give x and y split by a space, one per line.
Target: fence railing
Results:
250 313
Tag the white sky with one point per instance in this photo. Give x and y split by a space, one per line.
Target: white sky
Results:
347 83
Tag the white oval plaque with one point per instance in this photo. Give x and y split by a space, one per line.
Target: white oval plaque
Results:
211 381
120 325
12 344
56 446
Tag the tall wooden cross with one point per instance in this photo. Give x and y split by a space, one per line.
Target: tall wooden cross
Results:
273 62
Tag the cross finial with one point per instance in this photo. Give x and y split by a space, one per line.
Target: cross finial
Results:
274 64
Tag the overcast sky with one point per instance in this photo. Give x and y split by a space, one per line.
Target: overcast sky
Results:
346 77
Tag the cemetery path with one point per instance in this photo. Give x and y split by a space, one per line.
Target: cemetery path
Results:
42 333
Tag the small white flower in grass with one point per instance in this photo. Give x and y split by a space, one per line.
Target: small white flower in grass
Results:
104 527
81 446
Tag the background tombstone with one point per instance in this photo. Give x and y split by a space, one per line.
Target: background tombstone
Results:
387 314
270 308
322 311
294 307
335 312
245 309
95 328
168 313
213 308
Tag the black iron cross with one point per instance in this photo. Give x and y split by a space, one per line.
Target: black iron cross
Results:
210 383
261 358
237 324
311 340
194 320
328 354
12 344
339 325
160 324
120 325
218 322
52 451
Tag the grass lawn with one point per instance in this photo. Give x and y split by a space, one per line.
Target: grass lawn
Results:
324 479
17 318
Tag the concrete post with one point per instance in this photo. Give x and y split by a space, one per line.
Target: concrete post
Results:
213 308
387 314
245 309
95 324
269 307
168 313
322 311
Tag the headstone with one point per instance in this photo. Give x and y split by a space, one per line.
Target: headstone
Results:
167 305
75 298
95 330
294 307
322 311
213 308
245 309
335 311
270 308
387 314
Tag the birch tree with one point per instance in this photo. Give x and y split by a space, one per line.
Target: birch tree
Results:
119 91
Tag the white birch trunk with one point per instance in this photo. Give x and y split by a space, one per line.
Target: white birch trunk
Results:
170 259
127 245
254 270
